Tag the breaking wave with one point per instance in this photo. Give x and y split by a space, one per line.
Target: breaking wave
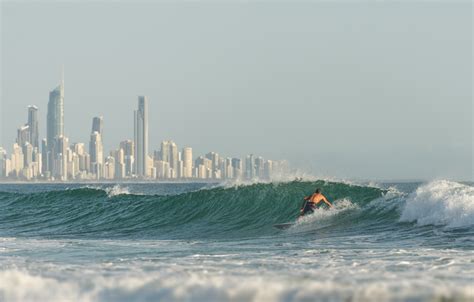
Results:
442 202
237 211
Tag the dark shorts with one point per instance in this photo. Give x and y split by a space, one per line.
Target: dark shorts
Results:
308 208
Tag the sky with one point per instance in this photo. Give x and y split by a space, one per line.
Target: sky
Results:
368 90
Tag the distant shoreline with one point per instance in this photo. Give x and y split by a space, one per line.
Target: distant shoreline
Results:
209 181
3 182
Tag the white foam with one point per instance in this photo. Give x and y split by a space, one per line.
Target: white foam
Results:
319 269
321 218
441 202
116 190
19 285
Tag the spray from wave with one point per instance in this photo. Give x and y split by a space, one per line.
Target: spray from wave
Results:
443 202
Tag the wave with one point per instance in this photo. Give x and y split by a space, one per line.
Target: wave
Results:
442 202
229 211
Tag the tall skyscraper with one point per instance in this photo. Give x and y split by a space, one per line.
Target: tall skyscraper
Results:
55 128
188 162
141 136
98 125
33 126
55 116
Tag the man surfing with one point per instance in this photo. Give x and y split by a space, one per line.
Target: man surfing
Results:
312 202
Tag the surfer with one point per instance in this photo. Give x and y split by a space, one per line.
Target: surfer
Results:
312 202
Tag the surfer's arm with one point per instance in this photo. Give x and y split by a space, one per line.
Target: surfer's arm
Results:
327 202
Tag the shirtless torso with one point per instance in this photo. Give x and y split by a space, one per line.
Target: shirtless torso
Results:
312 202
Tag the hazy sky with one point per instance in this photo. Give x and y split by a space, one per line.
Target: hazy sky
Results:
348 89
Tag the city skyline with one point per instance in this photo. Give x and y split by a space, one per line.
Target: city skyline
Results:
333 95
60 160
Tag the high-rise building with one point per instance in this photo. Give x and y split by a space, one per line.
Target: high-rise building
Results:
55 125
174 158
119 156
165 151
96 151
204 167
3 163
23 135
27 154
33 126
96 147
45 169
214 157
250 167
141 136
227 170
55 116
83 158
237 167
162 169
268 170
98 125
60 158
187 162
17 160
128 147
109 168
259 167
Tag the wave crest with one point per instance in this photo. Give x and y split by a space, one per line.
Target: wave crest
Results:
441 202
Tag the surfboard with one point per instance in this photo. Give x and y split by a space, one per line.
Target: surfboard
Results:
283 226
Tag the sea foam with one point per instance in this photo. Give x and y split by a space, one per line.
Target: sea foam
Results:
440 202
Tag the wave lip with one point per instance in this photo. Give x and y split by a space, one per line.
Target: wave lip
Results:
441 202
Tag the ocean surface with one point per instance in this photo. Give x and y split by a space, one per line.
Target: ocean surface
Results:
216 242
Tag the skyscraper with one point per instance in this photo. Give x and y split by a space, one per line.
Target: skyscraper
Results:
23 135
33 126
165 151
174 158
55 127
214 157
128 147
96 151
45 158
188 162
141 136
55 116
3 163
250 167
237 167
98 125
60 157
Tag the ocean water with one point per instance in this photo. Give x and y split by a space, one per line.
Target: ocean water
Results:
210 242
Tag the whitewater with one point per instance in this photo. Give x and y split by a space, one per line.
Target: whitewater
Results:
214 242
